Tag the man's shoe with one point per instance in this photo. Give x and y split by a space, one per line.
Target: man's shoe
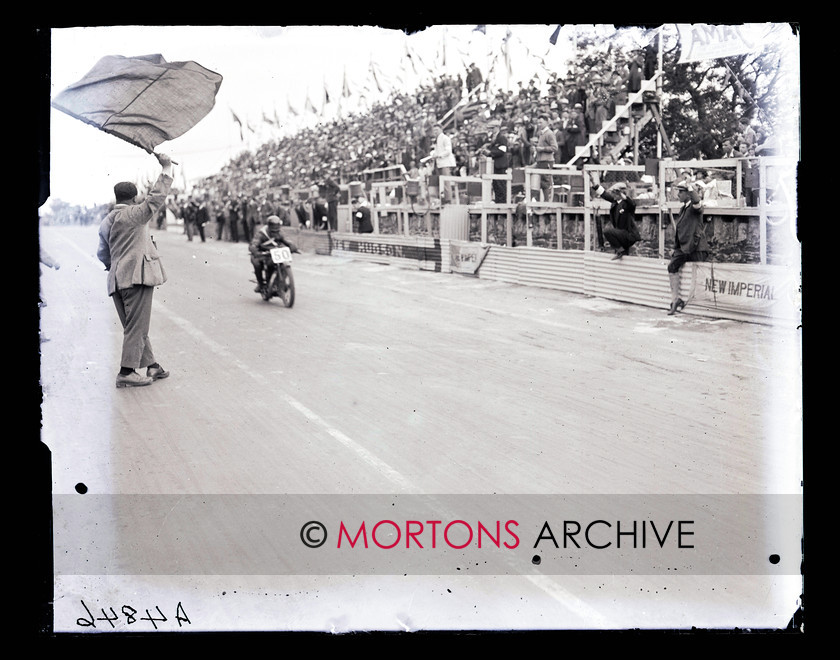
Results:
156 373
132 380
618 255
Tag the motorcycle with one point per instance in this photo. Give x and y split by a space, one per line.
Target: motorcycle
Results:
281 281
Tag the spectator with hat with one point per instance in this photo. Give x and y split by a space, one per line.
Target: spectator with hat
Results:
598 105
575 130
333 193
621 232
546 149
690 243
130 256
635 71
442 155
361 216
442 152
497 148
315 206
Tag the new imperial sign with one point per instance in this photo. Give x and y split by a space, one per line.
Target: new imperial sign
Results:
755 290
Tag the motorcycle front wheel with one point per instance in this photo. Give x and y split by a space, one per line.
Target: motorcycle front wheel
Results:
282 285
287 286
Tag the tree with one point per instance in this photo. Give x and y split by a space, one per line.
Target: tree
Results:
702 102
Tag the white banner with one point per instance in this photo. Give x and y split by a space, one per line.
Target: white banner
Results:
703 41
755 290
466 257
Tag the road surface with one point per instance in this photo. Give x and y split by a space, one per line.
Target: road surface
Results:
386 382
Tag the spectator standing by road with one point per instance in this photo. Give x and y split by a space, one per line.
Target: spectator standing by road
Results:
316 209
233 217
47 260
252 214
332 192
202 217
221 219
190 212
690 243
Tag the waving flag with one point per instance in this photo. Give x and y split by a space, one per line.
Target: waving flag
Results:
345 87
143 100
239 122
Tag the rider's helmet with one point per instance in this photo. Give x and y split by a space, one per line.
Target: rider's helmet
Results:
274 225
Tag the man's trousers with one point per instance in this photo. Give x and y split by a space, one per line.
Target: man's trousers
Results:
134 307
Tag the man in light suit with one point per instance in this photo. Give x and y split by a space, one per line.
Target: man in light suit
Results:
134 270
443 155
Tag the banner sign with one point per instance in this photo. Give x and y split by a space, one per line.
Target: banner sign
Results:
388 251
763 292
466 257
703 41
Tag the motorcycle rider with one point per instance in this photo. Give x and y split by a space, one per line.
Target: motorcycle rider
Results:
269 236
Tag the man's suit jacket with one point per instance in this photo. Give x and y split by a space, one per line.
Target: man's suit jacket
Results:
622 213
125 244
443 151
362 223
499 153
546 147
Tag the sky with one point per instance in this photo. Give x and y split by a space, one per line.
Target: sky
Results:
265 70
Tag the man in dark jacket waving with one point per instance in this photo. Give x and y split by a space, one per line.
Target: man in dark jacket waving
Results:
622 232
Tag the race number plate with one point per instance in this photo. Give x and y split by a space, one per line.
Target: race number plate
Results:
281 255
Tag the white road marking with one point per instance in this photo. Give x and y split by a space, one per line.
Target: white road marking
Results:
381 466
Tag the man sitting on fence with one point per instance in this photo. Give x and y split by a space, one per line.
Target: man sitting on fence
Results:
361 216
621 232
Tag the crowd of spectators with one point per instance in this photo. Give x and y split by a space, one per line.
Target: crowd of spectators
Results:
401 132
297 176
